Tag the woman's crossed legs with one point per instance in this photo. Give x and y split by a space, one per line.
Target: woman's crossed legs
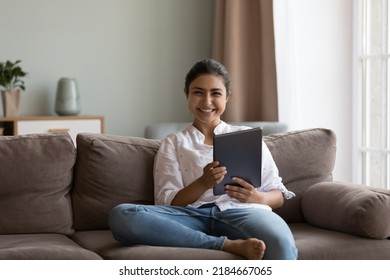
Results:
239 231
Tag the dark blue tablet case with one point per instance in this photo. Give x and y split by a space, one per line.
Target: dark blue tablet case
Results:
240 152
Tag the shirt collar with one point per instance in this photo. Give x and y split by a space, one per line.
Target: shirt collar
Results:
220 128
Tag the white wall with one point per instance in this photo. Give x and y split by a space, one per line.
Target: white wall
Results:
129 56
315 61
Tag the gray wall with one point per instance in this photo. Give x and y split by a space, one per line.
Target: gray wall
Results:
129 56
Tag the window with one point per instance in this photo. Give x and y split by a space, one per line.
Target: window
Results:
372 127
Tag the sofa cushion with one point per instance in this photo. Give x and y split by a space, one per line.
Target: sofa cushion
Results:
42 247
348 208
303 157
110 170
314 243
36 174
102 242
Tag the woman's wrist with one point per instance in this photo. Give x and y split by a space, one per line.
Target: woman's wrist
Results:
203 183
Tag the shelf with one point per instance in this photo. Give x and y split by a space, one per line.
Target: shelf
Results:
52 124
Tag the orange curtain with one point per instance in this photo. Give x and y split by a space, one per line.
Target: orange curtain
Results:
244 42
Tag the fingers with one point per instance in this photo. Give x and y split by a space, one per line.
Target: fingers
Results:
213 174
243 193
212 165
213 169
243 183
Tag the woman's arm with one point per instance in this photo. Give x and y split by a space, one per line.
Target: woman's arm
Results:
212 175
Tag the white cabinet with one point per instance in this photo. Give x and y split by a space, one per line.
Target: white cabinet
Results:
51 124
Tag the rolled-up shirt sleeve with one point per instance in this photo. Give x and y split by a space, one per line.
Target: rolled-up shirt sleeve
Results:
167 180
270 178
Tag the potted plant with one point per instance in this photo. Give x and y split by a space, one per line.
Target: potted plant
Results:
11 75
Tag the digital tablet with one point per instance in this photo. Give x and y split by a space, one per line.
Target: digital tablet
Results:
240 152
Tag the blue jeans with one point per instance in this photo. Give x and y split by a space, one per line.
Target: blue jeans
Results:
205 227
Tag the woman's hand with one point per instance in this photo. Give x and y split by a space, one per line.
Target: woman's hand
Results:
247 193
212 174
244 193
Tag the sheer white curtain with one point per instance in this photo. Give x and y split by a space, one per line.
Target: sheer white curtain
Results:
288 99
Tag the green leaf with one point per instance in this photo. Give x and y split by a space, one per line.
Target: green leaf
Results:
11 74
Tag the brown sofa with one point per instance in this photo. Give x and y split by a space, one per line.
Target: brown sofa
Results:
55 200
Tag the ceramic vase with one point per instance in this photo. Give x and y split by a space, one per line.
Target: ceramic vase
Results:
11 100
67 98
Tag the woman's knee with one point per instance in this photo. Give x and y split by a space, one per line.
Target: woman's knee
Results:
118 212
122 219
119 216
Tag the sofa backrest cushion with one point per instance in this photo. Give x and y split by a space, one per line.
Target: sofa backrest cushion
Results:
110 170
36 173
114 169
303 157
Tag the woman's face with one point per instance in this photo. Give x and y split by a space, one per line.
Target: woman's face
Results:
207 99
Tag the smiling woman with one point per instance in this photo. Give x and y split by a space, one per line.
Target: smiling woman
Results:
187 213
207 87
207 100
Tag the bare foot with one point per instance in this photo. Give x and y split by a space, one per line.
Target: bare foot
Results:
251 249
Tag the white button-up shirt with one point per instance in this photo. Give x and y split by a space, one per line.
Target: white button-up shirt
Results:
182 157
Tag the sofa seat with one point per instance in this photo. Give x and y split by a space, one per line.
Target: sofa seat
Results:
315 243
42 247
102 243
